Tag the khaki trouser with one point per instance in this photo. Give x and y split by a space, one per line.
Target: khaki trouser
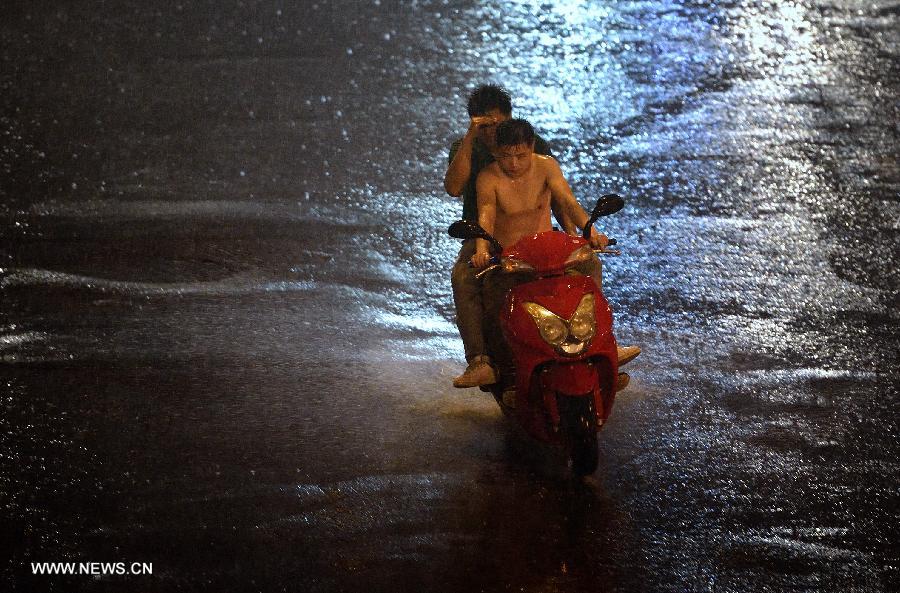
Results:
468 300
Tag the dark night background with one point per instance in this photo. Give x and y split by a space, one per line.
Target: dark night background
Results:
226 330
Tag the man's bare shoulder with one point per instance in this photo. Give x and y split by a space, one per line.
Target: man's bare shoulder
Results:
490 173
547 167
546 162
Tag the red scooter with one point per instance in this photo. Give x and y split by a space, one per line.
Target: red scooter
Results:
558 328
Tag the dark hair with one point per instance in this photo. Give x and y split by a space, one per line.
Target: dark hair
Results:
513 132
487 97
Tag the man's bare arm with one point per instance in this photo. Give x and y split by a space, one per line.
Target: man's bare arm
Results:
487 216
562 194
460 168
561 216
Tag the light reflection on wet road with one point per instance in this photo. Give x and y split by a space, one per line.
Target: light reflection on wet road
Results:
227 336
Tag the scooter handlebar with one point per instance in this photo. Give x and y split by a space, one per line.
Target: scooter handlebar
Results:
607 251
487 269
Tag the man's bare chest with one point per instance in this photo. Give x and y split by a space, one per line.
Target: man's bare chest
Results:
522 197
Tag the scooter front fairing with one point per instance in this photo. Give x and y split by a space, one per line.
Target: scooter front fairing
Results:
545 371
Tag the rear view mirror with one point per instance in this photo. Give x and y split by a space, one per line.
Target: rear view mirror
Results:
466 229
606 205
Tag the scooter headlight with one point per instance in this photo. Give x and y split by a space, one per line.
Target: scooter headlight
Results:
552 328
583 325
571 337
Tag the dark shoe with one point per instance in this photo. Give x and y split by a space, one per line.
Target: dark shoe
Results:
509 398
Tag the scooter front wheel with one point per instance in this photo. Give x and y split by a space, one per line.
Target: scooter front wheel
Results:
497 392
578 423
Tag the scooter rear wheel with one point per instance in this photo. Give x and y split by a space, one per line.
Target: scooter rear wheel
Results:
578 423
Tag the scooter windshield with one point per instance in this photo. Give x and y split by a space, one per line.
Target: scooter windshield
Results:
547 252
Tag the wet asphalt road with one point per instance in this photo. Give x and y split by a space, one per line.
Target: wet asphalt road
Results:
226 336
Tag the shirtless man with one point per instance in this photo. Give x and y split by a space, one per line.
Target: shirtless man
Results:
514 196
515 192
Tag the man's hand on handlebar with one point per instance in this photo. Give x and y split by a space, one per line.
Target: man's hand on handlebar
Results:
480 260
598 240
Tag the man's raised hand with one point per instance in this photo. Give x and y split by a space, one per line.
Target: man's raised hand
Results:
479 121
598 240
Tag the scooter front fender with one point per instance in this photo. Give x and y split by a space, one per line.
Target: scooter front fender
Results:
575 378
